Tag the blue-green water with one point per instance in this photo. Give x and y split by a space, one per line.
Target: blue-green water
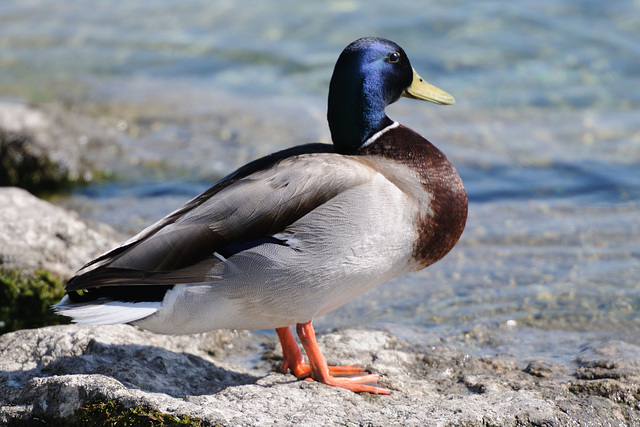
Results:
549 54
545 134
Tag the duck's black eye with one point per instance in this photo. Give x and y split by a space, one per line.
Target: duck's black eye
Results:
394 57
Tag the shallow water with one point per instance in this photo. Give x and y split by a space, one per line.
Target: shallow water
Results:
545 136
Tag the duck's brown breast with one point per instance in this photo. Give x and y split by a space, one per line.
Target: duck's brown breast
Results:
440 187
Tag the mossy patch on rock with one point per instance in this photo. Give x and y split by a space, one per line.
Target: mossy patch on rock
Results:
113 413
26 300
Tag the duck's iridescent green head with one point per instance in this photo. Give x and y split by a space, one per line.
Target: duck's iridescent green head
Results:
370 74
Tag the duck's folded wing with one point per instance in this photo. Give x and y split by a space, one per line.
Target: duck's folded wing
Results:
246 207
244 171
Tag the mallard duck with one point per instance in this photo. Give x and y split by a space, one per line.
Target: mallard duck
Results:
296 234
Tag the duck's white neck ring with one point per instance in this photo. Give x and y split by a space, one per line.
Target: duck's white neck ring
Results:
378 134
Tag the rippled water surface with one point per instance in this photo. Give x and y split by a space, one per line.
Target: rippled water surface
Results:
545 135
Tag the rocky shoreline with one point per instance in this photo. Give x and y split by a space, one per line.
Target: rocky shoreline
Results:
48 375
51 373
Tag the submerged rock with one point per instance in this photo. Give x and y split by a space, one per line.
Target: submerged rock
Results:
35 234
50 373
45 148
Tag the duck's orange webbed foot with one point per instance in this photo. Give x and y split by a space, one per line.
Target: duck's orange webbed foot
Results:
349 376
294 362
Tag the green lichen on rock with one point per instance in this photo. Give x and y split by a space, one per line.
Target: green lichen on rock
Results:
113 413
25 301
98 413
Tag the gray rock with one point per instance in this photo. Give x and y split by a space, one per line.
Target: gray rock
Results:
35 234
50 372
45 148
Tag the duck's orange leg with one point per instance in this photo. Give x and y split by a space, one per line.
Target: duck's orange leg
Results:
293 359
317 369
294 362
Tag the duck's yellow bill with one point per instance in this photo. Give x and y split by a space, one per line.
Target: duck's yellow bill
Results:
420 89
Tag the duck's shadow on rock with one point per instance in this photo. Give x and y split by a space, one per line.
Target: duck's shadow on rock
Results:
149 368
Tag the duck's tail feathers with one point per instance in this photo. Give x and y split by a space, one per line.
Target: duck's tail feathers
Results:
105 311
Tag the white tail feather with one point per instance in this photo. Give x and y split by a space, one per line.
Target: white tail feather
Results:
106 312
